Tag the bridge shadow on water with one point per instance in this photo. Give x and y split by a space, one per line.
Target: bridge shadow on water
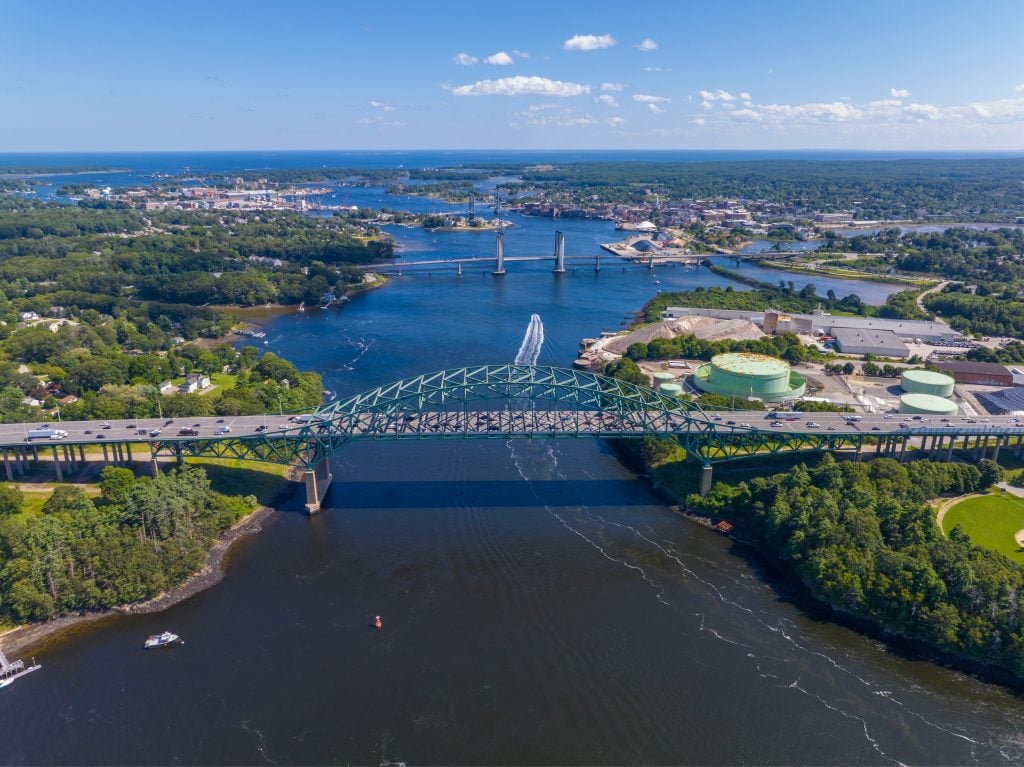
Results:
486 493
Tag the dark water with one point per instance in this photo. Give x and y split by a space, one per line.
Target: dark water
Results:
540 606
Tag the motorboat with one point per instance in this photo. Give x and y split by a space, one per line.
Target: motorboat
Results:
11 670
161 640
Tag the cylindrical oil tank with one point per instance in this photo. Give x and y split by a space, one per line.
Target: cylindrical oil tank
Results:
927 382
749 375
671 389
927 404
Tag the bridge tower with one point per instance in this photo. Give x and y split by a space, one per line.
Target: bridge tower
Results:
559 253
499 254
597 262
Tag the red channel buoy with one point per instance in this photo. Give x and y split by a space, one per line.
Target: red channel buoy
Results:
378 623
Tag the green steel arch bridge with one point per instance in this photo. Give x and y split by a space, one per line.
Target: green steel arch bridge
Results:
507 402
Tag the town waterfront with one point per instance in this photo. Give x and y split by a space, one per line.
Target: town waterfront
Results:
540 605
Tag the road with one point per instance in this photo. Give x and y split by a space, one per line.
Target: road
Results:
502 422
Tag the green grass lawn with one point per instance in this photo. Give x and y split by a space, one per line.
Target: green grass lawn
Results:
990 521
218 382
234 477
36 497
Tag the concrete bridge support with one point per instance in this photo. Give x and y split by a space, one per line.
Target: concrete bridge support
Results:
499 255
559 253
56 464
318 482
7 467
705 479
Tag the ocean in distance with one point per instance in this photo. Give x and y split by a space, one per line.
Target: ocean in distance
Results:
213 161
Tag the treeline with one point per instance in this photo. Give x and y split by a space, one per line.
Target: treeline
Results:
989 257
862 538
197 257
988 315
784 298
785 345
979 189
141 537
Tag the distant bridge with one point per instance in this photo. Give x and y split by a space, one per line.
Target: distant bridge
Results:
500 402
499 260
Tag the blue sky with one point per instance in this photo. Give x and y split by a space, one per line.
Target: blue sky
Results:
141 75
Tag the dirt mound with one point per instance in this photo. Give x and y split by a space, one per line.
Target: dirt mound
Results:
707 328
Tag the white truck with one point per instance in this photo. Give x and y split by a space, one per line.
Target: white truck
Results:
46 432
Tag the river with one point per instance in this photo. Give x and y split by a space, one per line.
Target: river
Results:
540 605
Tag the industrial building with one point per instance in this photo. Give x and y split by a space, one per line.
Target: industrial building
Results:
983 373
927 382
882 343
746 375
927 404
820 322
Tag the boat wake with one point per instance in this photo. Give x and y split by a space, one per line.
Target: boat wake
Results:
533 341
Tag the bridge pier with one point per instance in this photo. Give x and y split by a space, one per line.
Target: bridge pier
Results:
559 253
705 479
995 452
499 255
7 467
56 464
318 482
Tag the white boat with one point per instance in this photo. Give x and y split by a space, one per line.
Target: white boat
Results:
161 640
9 671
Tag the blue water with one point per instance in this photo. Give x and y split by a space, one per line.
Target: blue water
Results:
540 605
172 162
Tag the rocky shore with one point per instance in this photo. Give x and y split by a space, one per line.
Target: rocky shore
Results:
33 636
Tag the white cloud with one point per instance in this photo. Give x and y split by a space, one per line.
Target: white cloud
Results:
554 116
698 120
882 103
464 59
520 54
899 93
746 114
721 95
647 45
378 120
646 98
657 69
521 86
588 42
615 122
1020 88
382 106
612 86
924 111
655 108
744 95
500 59
607 100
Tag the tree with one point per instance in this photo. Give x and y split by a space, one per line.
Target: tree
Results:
991 472
11 499
637 351
116 483
67 499
848 368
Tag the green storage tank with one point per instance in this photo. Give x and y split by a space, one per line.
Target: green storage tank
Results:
663 378
671 389
927 382
927 404
749 375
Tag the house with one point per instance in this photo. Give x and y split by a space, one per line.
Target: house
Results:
166 388
68 399
26 316
194 382
31 402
